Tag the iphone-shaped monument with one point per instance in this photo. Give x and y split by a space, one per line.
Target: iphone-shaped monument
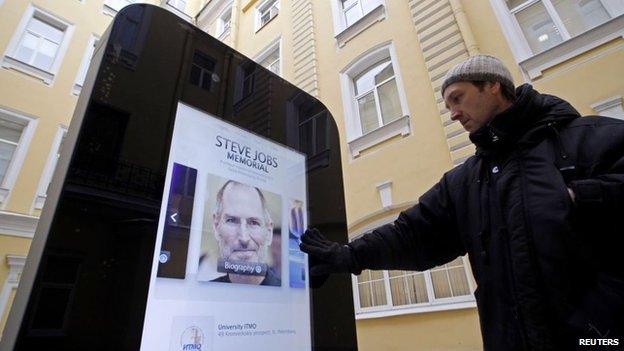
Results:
186 179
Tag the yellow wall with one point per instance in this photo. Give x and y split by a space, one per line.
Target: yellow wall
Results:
447 330
589 78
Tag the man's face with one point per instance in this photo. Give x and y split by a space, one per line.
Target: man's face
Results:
470 106
242 229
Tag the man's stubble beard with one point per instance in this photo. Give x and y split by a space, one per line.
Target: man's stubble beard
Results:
225 252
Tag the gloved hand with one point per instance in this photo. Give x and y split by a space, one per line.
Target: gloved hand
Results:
327 256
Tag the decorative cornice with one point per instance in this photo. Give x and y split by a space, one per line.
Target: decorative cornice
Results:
613 101
15 260
16 224
400 126
16 265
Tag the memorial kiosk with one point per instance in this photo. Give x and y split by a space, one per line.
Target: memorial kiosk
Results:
188 174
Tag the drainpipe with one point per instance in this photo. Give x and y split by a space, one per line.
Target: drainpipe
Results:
464 27
234 27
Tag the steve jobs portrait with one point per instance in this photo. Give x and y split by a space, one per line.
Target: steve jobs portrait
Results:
243 230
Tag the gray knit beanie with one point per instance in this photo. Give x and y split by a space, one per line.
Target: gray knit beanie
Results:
479 68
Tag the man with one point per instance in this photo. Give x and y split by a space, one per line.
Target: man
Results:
243 229
538 210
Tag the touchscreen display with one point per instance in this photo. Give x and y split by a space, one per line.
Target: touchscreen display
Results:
227 272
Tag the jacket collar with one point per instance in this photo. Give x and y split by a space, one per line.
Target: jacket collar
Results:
524 122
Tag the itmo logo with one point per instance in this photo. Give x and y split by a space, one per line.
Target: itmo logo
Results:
192 339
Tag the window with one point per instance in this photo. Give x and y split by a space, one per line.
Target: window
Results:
314 134
56 291
38 44
10 133
111 7
353 10
15 133
351 17
269 58
445 286
546 23
202 70
265 12
178 4
224 23
377 96
544 33
373 98
215 18
244 84
48 171
131 34
249 80
84 65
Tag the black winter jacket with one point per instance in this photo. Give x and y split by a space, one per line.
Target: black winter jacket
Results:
547 268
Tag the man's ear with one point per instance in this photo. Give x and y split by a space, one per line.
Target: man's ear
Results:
495 88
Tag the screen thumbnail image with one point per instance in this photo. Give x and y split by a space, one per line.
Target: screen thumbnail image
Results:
296 258
241 241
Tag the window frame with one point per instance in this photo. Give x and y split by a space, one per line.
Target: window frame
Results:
176 4
534 64
50 167
173 6
46 76
19 155
208 16
204 72
81 76
276 44
260 9
313 150
356 140
222 29
434 304
375 91
344 33
109 8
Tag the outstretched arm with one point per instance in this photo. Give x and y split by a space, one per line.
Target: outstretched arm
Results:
422 237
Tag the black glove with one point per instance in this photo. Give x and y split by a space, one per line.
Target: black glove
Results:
327 256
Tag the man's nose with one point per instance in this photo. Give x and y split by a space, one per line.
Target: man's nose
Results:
243 233
455 114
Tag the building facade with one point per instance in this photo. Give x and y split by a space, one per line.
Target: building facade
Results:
376 64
